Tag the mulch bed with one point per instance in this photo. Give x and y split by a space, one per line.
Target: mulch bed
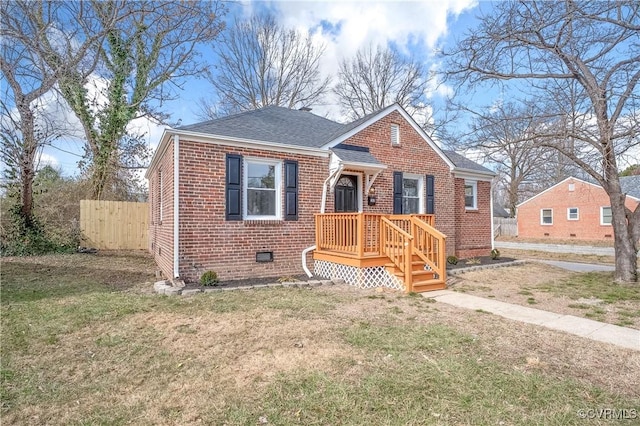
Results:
479 261
248 282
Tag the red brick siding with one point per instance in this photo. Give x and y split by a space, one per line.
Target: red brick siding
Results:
587 198
161 232
473 227
412 155
209 242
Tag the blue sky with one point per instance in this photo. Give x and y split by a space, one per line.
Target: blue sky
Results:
415 28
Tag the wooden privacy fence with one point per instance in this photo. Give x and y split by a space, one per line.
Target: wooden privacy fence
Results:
505 226
114 225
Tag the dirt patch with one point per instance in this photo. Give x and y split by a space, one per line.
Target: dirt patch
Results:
540 286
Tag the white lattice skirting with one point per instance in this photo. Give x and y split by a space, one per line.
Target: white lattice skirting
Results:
376 276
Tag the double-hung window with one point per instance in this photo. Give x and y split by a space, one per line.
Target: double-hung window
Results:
262 184
605 216
412 194
546 216
471 194
572 213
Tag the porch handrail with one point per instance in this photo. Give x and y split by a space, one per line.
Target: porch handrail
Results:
397 245
429 245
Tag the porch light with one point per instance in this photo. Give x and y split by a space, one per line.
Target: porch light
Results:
372 198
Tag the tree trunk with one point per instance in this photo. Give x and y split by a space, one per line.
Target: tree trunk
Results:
625 247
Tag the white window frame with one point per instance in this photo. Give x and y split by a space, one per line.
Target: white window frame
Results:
602 216
395 131
542 217
420 180
277 187
474 185
569 213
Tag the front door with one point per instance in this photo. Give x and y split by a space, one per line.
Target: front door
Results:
346 191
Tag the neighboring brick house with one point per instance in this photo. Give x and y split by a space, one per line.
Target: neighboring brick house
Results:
246 188
573 208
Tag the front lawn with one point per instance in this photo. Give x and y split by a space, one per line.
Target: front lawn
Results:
84 341
592 295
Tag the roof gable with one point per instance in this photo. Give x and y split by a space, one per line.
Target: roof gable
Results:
355 127
631 187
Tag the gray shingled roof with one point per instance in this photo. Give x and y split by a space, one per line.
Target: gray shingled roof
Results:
464 163
631 185
349 155
272 124
300 128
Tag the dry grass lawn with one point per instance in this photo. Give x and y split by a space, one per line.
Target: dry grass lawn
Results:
592 295
84 342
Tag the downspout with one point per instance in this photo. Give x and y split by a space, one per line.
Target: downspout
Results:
304 260
176 221
493 245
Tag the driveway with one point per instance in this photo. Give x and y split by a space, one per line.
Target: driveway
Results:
556 248
579 267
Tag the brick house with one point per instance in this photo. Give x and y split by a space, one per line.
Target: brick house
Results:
245 195
573 208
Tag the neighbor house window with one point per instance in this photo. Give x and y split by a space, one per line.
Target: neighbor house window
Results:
605 216
572 213
546 216
412 191
395 134
262 181
470 194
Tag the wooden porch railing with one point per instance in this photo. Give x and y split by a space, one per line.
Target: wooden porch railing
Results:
360 235
397 245
429 245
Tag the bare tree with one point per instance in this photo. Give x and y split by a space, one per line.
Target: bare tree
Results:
26 27
148 53
262 63
374 79
503 136
581 62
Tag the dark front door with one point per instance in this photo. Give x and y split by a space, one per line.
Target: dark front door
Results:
346 194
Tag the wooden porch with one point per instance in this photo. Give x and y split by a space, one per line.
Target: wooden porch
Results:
408 247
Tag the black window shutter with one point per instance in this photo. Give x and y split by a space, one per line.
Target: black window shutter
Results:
431 199
290 190
233 187
397 192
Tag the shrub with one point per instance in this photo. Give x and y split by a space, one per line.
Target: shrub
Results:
452 260
209 278
495 254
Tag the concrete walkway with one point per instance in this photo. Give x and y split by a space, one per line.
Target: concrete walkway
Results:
594 330
578 267
556 248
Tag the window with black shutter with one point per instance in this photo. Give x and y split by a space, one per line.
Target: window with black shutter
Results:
233 187
397 192
291 190
431 199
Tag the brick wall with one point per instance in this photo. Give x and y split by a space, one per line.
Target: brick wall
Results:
586 197
412 155
209 242
161 231
473 226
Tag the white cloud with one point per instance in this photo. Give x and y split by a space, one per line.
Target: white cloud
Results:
344 27
47 160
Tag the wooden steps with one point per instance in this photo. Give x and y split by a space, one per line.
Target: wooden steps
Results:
423 280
